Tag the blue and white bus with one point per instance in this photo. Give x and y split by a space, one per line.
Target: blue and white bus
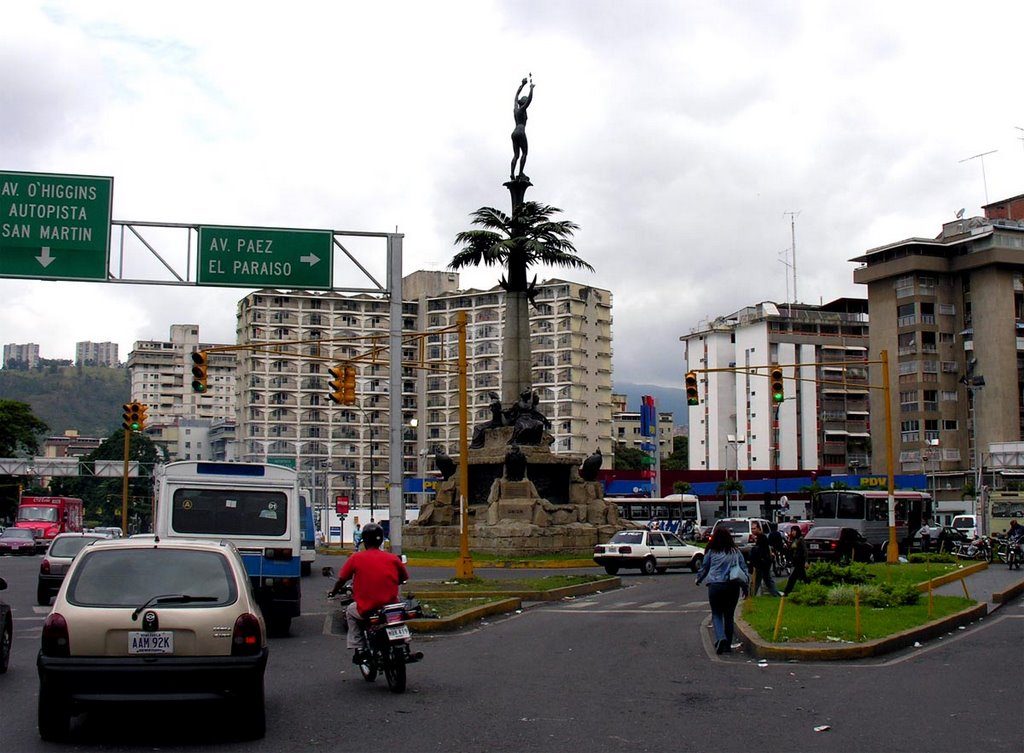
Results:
256 507
678 513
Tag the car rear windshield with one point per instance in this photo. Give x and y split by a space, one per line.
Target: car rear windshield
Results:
628 537
17 533
825 532
963 521
130 577
735 526
228 512
69 546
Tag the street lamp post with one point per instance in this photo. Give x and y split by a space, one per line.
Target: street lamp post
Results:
733 441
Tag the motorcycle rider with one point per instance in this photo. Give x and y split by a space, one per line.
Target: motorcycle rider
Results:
376 576
1015 533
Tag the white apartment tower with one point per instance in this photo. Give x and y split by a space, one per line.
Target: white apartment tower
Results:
96 354
26 355
823 421
284 411
160 372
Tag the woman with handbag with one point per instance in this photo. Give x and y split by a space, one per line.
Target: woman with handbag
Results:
726 573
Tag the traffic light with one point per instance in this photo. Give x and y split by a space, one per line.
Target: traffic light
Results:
778 391
348 391
337 384
134 416
691 388
201 360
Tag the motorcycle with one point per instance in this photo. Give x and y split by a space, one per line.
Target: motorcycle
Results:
1014 553
388 640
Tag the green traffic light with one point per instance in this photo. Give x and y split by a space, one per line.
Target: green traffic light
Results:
778 397
692 401
135 426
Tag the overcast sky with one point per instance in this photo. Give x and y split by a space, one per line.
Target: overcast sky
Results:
677 134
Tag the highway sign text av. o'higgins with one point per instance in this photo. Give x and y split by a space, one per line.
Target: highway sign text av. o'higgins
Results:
254 257
55 227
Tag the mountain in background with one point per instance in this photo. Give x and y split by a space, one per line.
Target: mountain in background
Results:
86 398
666 399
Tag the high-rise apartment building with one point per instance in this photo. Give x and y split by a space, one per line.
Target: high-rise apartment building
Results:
822 422
96 354
950 312
23 356
160 372
626 426
284 411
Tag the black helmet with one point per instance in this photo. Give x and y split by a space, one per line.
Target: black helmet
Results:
373 536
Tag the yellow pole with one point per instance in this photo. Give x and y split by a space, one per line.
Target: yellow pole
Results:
124 485
931 604
465 564
963 582
892 551
778 619
856 612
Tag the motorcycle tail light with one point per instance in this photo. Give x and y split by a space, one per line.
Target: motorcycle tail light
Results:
56 641
246 635
374 618
44 568
394 614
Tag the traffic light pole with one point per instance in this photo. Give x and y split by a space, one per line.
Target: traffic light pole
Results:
124 485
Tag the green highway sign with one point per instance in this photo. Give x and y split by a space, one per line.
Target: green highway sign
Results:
55 227
255 257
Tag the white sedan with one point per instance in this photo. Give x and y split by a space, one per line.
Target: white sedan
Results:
650 551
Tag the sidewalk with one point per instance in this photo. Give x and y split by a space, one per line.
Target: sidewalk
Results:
995 581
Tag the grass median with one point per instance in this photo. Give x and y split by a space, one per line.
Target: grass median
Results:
833 618
448 597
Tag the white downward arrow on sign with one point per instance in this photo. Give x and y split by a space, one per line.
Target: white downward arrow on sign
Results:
310 259
44 257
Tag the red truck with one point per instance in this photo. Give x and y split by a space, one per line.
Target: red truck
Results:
48 516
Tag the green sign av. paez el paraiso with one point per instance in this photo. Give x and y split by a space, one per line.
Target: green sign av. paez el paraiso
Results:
54 227
254 257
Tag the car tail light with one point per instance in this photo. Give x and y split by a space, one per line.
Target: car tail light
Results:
44 567
833 544
277 554
625 550
246 636
56 641
598 550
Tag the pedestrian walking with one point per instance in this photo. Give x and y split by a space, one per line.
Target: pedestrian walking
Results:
761 561
798 556
726 572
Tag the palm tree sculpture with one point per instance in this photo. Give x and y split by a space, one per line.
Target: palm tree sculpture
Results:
529 236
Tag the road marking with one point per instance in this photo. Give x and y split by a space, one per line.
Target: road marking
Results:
656 605
41 610
630 611
620 604
577 604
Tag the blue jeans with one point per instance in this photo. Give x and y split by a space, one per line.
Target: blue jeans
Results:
723 598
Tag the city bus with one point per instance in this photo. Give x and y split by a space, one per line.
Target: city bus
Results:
678 513
868 513
253 505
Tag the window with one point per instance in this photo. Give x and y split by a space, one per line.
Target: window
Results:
949 425
231 513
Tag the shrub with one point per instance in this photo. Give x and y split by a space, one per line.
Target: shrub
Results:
810 595
890 595
830 574
841 596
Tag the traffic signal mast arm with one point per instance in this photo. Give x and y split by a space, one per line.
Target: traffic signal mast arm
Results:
754 371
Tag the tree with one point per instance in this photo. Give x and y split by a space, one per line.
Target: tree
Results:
729 487
679 460
527 237
629 458
19 429
102 496
682 487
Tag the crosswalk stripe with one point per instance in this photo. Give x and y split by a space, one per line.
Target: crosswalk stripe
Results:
577 604
656 605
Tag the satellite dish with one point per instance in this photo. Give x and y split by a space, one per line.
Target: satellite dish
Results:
960 214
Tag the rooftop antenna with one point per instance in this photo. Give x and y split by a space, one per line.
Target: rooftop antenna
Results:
792 231
784 258
1021 137
982 157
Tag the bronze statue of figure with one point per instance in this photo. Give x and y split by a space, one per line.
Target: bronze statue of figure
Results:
519 145
496 420
528 423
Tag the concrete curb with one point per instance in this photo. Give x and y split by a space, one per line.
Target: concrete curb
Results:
465 617
554 594
504 606
1001 597
765 650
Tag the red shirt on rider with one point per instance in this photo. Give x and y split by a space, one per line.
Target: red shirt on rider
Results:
376 576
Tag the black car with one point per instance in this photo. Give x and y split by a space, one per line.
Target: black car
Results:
838 544
6 631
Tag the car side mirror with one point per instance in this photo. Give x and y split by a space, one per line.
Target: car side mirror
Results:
327 572
405 560
3 584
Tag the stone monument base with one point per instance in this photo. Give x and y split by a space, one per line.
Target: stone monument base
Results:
512 538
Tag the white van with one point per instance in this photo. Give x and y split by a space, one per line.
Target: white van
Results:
966 524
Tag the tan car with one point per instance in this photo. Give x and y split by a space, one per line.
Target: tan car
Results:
142 620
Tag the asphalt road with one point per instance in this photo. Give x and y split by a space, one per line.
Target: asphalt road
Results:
625 670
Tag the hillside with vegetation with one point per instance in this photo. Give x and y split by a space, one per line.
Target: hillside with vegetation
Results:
85 398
